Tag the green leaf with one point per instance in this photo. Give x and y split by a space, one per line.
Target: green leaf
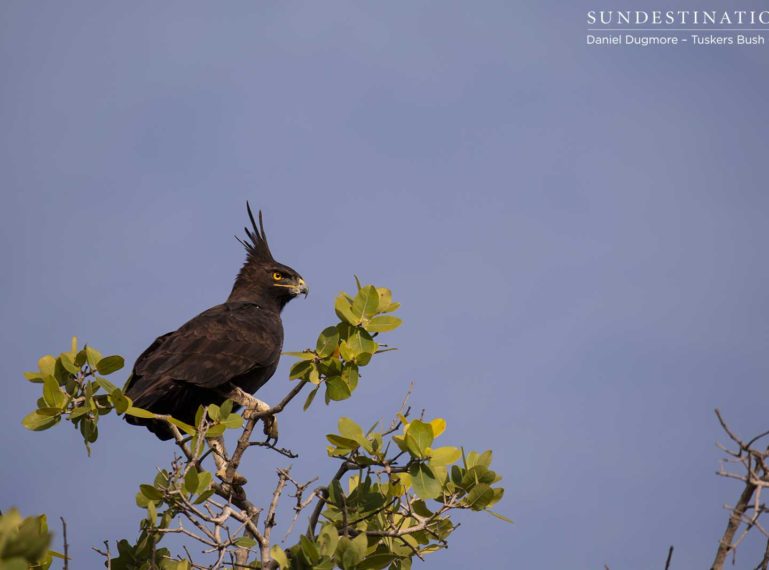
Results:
279 556
499 516
47 365
53 395
204 496
420 508
327 342
421 434
328 539
68 362
233 421
225 409
92 356
110 364
366 302
479 497
383 323
444 455
477 474
350 376
204 482
186 428
335 493
121 402
360 342
216 431
377 561
310 398
151 492
346 352
79 411
425 485
310 549
152 512
438 425
33 377
80 358
15 563
89 431
301 370
201 411
483 459
386 304
355 551
385 298
191 480
139 413
108 386
351 430
49 412
337 389
61 374
167 564
36 421
343 310
342 442
245 542
498 494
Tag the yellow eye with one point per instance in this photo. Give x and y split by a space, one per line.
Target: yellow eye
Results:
277 276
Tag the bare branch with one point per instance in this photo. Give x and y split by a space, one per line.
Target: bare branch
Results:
727 543
269 520
66 544
282 450
670 557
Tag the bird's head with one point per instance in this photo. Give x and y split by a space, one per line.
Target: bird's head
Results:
262 279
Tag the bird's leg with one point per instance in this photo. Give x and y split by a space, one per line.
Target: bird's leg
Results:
253 406
220 454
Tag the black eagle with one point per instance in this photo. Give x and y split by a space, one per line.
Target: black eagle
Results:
227 351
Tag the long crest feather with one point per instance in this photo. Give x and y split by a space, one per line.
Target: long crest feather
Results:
256 246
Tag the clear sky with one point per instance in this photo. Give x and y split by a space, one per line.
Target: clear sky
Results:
577 235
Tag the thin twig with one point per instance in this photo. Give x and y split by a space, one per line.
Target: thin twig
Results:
282 450
670 557
66 544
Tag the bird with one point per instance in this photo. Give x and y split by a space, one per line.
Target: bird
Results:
226 352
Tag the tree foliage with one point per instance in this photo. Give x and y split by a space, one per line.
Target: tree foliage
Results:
390 500
24 542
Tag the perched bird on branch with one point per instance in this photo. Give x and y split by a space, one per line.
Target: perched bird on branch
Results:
227 352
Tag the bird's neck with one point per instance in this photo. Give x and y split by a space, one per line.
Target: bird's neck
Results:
242 295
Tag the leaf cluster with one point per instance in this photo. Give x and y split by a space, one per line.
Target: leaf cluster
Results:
398 498
24 542
344 348
74 387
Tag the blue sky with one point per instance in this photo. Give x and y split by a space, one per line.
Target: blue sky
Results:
577 236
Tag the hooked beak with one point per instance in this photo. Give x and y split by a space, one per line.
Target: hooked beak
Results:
302 288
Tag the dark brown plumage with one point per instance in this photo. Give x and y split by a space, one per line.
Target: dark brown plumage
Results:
235 345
